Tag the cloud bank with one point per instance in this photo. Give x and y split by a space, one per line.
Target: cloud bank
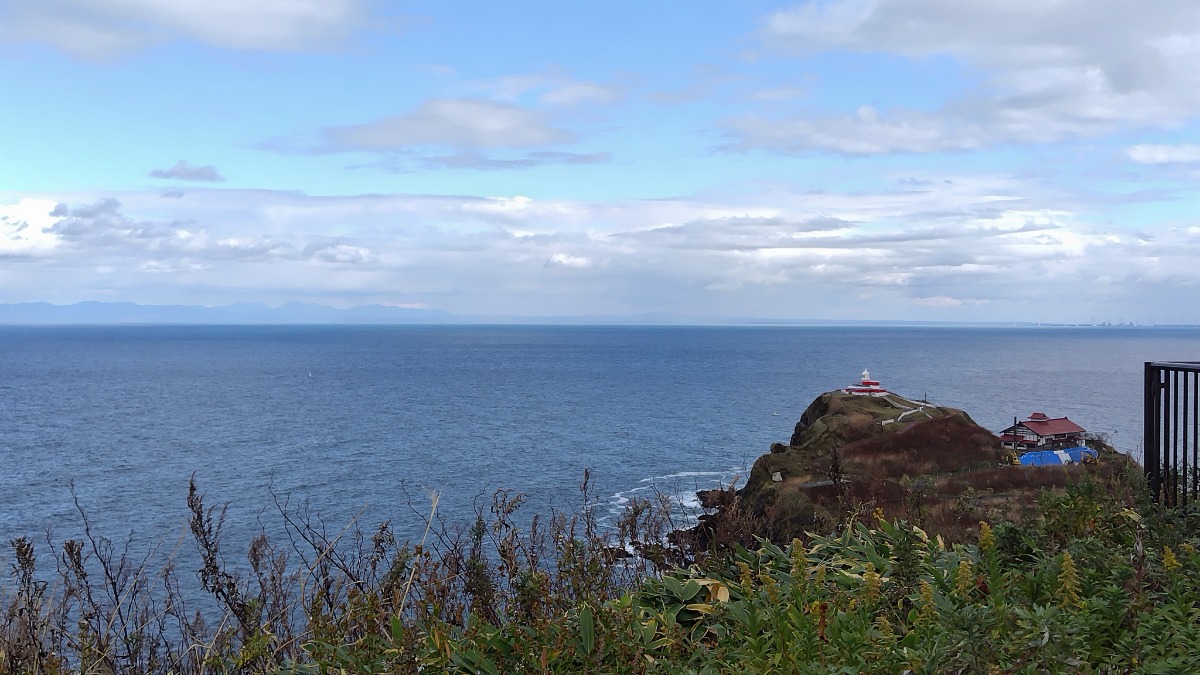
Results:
1047 72
101 29
961 249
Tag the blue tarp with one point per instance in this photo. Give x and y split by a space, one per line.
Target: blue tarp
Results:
1052 457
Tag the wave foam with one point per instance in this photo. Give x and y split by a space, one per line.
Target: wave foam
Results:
684 503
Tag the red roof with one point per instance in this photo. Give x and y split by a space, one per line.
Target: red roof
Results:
1009 438
1052 427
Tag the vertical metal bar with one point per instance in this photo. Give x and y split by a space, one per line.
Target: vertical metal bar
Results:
1164 434
1175 435
1157 420
1189 439
1170 417
1195 431
1150 429
1181 426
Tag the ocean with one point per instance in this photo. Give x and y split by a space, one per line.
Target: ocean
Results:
370 420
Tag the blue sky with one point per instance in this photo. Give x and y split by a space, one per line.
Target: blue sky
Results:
842 159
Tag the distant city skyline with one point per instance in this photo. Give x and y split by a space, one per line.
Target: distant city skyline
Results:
923 160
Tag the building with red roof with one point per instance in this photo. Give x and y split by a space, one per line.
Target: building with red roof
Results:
1042 432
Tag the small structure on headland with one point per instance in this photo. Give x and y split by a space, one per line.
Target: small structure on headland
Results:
867 387
1078 455
1041 432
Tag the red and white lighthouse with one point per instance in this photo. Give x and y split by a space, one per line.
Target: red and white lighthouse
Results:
866 387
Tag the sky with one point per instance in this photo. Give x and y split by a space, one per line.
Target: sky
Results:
935 160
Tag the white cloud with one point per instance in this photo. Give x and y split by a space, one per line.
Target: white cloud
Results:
863 133
779 94
581 93
457 123
947 301
550 88
565 260
478 161
1149 153
185 171
25 227
1122 39
339 253
103 28
1051 71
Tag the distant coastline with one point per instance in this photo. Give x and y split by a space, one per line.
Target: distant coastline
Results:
302 313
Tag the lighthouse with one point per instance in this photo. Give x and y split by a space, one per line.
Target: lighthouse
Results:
866 387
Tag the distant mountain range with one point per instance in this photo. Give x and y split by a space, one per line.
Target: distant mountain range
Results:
129 313
43 313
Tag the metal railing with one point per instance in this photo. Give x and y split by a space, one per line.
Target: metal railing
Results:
1172 431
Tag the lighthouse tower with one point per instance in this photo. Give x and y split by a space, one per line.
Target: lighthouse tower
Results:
866 386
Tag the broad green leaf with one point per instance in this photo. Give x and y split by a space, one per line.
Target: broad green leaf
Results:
587 629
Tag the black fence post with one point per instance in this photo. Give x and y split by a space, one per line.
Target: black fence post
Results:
1150 430
1171 431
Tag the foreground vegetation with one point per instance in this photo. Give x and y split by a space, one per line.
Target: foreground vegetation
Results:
1095 579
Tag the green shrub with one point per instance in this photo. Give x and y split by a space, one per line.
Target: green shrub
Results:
1096 579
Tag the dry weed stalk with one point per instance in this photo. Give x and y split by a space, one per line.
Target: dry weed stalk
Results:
100 608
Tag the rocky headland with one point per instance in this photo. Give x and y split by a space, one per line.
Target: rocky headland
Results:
854 457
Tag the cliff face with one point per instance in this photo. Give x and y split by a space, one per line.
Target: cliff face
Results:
853 456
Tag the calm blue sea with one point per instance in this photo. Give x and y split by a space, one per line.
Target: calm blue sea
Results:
373 419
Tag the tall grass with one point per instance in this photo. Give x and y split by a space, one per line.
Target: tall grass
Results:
102 607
